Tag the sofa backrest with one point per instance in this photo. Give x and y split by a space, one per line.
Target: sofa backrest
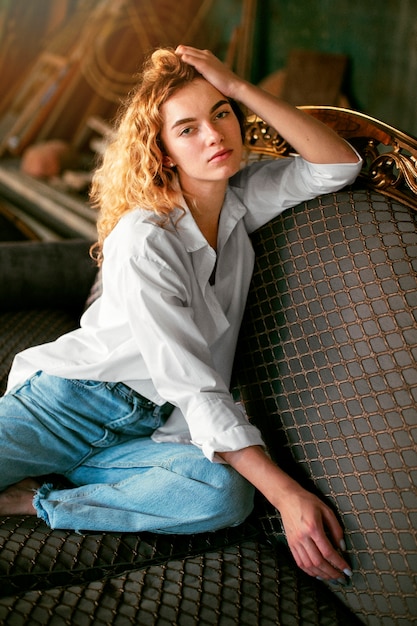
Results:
327 357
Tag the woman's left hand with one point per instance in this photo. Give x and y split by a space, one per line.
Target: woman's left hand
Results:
313 533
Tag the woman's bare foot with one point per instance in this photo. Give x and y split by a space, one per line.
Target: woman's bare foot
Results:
18 499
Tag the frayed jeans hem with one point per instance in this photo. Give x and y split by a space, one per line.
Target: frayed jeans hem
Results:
42 492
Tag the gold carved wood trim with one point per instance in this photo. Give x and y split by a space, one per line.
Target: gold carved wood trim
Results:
389 155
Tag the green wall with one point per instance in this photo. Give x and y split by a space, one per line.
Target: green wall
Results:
379 37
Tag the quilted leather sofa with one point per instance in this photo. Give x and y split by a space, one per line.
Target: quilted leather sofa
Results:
326 366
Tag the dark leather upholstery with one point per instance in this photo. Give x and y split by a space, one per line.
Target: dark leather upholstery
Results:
327 368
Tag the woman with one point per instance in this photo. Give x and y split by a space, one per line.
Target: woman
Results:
133 408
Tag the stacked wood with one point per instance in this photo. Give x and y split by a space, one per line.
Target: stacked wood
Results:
57 115
91 64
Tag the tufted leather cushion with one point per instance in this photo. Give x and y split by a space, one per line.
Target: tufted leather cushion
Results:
327 369
36 557
242 585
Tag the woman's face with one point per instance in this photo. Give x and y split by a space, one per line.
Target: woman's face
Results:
201 135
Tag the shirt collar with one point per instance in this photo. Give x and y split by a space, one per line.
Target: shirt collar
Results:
233 211
186 227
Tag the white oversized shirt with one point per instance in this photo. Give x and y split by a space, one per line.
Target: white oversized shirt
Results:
161 327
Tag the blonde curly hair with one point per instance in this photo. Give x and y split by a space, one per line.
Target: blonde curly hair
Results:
132 172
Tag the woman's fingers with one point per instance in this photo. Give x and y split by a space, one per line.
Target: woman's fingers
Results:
314 552
209 66
309 557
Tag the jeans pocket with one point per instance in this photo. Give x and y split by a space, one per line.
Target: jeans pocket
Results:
140 422
88 385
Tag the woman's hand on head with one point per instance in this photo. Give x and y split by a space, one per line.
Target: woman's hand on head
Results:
213 70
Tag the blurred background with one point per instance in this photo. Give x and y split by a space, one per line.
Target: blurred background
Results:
65 65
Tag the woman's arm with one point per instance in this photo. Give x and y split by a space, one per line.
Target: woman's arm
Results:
309 137
306 519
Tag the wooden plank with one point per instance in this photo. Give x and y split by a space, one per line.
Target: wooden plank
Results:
12 228
33 228
64 214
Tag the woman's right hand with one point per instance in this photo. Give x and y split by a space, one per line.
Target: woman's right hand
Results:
213 70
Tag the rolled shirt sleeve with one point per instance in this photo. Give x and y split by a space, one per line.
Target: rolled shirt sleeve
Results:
285 183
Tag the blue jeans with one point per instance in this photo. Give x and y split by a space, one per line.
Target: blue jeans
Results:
97 435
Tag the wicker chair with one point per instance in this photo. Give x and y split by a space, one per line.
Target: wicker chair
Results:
326 366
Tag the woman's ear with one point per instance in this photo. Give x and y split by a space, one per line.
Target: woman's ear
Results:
167 161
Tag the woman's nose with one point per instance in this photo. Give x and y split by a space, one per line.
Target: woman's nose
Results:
213 135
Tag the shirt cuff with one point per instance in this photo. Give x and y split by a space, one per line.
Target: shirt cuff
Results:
233 439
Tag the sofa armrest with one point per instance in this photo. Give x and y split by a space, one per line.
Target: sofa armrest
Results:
45 274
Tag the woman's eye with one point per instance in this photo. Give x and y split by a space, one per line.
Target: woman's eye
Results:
186 131
221 114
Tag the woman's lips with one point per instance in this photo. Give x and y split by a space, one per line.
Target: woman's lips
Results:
222 155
